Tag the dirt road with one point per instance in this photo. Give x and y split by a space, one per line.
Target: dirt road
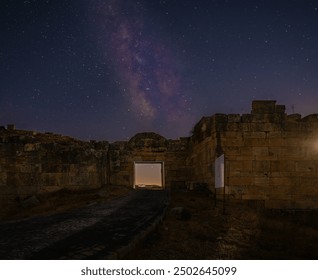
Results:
97 231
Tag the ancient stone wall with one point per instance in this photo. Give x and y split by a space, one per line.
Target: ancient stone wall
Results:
148 147
32 163
202 153
269 155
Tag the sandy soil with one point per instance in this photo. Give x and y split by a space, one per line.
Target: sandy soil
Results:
202 230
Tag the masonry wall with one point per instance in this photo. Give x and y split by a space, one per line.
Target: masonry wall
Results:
32 163
202 154
148 147
269 155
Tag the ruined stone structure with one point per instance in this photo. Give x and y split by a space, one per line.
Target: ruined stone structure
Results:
269 156
32 163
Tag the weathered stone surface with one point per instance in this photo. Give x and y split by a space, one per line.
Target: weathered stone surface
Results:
30 202
270 157
268 154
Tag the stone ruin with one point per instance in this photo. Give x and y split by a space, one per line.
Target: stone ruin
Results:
269 156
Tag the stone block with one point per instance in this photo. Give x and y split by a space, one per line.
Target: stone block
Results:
275 142
284 174
48 179
310 118
304 203
293 118
232 151
306 166
235 142
254 134
281 192
3 179
284 181
220 118
239 166
278 204
292 126
247 151
260 196
274 134
233 126
260 151
231 158
246 118
245 157
261 166
261 181
23 179
240 181
27 168
263 106
280 108
256 142
231 134
293 141
234 118
10 127
259 118
314 127
49 189
282 166
306 188
30 147
51 167
309 181
87 168
274 153
274 118
272 127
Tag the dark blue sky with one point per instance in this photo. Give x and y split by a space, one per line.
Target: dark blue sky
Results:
107 69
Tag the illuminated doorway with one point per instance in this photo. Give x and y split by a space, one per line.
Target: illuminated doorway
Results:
148 175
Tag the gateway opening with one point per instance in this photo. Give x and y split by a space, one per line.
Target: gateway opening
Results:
148 175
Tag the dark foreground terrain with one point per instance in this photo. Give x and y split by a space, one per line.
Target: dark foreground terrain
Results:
92 225
200 230
104 230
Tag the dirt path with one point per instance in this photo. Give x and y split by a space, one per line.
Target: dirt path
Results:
93 232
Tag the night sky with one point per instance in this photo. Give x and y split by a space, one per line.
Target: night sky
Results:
108 69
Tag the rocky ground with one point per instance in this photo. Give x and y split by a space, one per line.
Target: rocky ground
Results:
195 227
105 230
62 201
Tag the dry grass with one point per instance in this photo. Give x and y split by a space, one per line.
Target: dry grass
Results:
241 232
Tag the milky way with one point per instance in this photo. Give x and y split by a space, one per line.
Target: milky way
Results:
108 69
146 68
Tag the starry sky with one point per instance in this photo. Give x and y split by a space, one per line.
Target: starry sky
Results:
108 69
